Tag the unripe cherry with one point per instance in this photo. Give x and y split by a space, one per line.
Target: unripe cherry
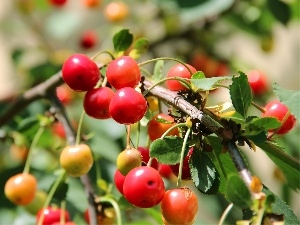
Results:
128 159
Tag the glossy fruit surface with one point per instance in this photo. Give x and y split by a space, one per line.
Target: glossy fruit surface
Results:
96 102
165 170
119 180
123 72
175 201
146 156
51 215
64 94
128 159
20 189
278 110
127 106
258 82
88 39
143 187
116 11
186 172
179 70
80 73
58 3
156 128
77 160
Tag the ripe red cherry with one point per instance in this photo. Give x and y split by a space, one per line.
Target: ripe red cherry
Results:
119 179
221 69
279 111
88 39
143 187
179 70
186 172
146 156
58 3
165 170
66 223
64 94
179 206
80 72
123 72
96 102
258 82
51 215
156 128
127 106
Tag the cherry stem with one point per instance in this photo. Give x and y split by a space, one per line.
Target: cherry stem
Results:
150 162
263 110
115 206
225 213
103 52
59 179
62 212
138 134
78 138
171 128
128 136
166 58
184 81
182 156
32 147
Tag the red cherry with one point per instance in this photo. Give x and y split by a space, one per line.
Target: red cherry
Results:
80 73
143 187
96 102
52 215
222 69
165 170
66 223
64 94
123 72
58 3
88 39
119 179
258 82
186 173
179 206
127 106
179 70
146 156
279 111
157 128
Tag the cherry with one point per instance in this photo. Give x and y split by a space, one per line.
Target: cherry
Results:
123 72
221 69
58 3
119 179
173 203
37 203
258 82
96 102
20 189
128 159
116 11
143 187
18 153
77 160
127 106
186 173
64 93
91 3
52 215
165 170
279 111
146 156
179 70
88 39
157 128
66 223
80 73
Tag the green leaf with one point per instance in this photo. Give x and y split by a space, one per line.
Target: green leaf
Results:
237 192
28 123
290 98
206 84
167 150
61 192
141 45
287 164
257 125
222 162
280 10
204 173
241 95
157 73
280 207
122 40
